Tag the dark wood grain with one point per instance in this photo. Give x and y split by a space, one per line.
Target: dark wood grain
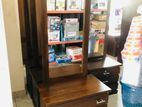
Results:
72 90
86 29
41 19
107 62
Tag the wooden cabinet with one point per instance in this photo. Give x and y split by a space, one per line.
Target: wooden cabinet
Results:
107 71
68 93
67 84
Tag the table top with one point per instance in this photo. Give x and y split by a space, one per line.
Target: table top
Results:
107 62
70 90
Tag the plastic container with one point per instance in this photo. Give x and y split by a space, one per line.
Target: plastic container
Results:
131 96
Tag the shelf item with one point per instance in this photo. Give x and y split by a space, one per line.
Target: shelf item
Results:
51 5
60 5
66 12
74 5
98 10
54 28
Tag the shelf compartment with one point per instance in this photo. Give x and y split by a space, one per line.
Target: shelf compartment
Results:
64 42
61 70
66 12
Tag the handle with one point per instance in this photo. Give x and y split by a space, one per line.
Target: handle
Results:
106 73
100 101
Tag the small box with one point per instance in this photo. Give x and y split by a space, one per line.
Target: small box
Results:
74 4
54 36
50 5
98 25
71 28
74 52
51 56
54 28
60 4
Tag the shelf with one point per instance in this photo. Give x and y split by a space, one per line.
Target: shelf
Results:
98 10
64 42
66 12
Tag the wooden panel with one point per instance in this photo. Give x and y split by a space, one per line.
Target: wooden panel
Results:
108 62
41 19
86 29
71 90
64 70
92 101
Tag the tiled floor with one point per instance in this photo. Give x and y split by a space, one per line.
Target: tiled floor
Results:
25 101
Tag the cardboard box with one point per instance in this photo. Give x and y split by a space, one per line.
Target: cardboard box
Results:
50 5
54 28
71 28
98 25
60 4
74 4
74 52
100 17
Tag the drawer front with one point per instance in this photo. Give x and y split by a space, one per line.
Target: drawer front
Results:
108 79
93 101
107 71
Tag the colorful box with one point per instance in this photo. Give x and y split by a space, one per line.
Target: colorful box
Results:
71 28
54 28
74 4
60 4
74 52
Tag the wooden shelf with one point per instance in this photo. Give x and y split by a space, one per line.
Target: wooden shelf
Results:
98 10
66 12
64 42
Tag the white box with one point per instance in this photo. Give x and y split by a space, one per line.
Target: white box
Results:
73 4
50 5
54 36
60 4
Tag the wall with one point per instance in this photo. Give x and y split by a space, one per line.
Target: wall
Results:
5 90
11 21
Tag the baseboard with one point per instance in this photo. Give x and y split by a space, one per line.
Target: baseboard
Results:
19 93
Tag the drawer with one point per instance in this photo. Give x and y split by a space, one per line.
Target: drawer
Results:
113 86
92 101
108 79
106 72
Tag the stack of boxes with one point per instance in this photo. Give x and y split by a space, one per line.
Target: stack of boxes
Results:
65 4
74 52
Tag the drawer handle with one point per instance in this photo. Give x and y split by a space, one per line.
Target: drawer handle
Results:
106 73
100 101
105 81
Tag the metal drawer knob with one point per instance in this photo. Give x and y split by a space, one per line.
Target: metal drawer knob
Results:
100 101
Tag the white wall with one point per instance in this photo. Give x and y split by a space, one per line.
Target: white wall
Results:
11 21
5 89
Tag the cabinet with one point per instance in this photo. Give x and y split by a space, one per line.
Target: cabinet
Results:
70 93
66 84
107 71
